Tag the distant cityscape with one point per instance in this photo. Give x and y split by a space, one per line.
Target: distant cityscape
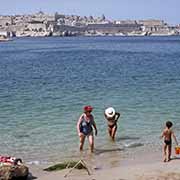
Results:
42 24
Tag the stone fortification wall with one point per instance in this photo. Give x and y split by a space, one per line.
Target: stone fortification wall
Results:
103 28
114 28
151 22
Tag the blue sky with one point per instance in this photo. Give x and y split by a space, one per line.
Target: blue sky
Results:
167 10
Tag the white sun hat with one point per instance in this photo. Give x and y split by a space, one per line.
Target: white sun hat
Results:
110 112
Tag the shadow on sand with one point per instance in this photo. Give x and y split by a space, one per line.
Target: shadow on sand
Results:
126 138
31 177
175 158
101 151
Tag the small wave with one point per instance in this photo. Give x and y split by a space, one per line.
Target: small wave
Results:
132 145
34 163
37 162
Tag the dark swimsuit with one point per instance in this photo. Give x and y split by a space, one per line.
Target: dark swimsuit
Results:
111 126
168 142
86 127
113 120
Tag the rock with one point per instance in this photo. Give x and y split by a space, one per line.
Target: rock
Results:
10 172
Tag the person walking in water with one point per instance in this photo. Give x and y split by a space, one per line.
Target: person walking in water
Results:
85 127
111 116
167 134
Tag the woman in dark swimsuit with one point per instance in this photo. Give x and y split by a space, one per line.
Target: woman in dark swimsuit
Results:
111 116
85 127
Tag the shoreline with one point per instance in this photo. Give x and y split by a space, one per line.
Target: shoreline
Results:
100 35
147 167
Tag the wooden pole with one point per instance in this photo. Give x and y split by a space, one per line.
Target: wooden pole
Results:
79 162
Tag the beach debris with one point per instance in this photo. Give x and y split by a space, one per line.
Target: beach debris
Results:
80 162
97 168
69 164
8 160
65 165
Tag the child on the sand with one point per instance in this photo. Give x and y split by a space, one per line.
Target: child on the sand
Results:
167 134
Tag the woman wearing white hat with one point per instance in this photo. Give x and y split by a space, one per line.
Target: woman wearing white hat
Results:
112 116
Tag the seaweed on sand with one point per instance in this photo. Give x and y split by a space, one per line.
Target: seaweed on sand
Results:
64 165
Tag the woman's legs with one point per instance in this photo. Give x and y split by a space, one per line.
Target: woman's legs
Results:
81 138
109 131
113 132
91 142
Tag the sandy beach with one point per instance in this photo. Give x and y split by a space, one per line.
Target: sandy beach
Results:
148 167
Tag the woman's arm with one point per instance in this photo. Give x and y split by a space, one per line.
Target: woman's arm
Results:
94 125
105 116
78 124
117 115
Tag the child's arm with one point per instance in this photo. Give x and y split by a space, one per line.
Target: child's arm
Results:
174 138
162 135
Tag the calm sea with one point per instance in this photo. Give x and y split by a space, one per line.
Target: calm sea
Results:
45 82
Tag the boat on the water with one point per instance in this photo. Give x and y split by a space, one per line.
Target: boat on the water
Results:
4 38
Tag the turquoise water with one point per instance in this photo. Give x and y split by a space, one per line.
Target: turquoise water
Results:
45 82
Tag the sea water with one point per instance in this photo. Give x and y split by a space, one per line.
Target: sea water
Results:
45 82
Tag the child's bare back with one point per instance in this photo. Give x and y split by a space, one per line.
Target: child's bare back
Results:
167 134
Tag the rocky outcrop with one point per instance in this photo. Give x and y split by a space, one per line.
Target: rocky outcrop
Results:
16 172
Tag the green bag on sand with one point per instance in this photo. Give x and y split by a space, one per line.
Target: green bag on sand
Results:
15 172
